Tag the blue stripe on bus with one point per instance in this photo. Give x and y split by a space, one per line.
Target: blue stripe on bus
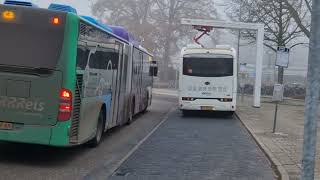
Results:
107 102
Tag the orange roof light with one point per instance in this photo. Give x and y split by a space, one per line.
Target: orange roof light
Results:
56 21
8 15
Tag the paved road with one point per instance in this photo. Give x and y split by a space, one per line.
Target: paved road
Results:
192 148
18 161
182 148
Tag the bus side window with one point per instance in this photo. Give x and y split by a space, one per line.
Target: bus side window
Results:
101 58
96 61
115 59
82 57
141 63
136 61
109 59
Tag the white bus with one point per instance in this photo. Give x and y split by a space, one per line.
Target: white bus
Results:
208 79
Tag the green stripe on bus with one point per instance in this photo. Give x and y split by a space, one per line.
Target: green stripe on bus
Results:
67 64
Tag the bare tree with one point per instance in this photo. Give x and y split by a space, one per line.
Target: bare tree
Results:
157 22
132 14
168 16
280 27
300 11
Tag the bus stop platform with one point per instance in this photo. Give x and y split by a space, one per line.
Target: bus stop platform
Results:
285 146
203 147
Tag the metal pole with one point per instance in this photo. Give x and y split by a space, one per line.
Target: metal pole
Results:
257 86
238 58
238 50
275 118
176 80
242 95
280 75
312 97
280 81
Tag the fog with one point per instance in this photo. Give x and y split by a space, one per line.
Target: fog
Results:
298 56
82 6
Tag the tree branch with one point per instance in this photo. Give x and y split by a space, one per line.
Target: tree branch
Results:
296 17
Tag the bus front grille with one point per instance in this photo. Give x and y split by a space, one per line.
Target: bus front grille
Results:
74 131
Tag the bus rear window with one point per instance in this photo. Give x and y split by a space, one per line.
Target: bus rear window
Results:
33 41
208 67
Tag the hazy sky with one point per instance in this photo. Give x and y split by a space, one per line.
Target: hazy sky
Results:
82 6
298 57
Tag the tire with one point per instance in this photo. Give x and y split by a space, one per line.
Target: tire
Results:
99 132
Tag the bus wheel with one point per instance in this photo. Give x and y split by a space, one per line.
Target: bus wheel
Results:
99 132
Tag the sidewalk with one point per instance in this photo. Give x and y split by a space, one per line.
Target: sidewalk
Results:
286 145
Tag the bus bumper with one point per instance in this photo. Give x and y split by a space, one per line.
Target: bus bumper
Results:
44 135
207 106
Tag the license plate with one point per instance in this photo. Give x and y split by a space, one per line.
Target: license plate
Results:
207 108
6 126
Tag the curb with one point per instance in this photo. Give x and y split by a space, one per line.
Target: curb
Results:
276 165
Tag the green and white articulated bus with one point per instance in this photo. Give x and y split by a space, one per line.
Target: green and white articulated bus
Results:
66 79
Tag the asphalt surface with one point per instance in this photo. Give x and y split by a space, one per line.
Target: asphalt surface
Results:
21 161
206 147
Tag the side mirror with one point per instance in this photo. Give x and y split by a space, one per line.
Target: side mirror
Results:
153 71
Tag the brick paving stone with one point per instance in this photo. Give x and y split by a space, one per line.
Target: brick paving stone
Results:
192 148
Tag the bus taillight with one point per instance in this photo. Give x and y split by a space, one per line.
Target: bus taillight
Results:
65 106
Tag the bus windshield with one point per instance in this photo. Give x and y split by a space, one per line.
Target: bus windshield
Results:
208 66
33 42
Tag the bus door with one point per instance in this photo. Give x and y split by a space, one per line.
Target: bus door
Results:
122 111
107 54
115 83
120 96
135 80
140 82
91 81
